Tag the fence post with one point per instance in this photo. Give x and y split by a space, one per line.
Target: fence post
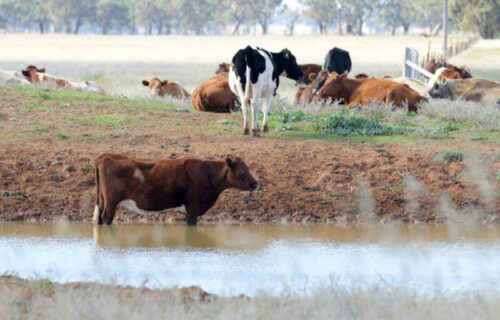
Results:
410 55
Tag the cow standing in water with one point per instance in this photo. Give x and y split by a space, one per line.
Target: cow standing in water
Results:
254 75
151 186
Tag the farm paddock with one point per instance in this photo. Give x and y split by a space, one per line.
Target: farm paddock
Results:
307 173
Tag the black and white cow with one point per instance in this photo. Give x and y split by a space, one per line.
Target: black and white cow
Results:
338 60
254 75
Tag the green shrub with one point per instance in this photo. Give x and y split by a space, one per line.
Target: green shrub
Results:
343 126
453 156
293 116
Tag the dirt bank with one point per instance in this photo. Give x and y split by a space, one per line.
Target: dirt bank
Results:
301 181
46 175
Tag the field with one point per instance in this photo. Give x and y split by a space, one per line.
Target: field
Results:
51 137
318 164
118 64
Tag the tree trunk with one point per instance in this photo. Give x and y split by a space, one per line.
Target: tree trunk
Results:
41 26
78 24
67 25
360 27
339 24
436 29
393 30
406 27
236 28
263 24
348 28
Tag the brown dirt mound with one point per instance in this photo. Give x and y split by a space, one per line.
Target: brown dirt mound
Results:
301 181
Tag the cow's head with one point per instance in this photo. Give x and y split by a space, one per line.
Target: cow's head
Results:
285 62
31 73
239 175
464 72
333 87
223 67
440 89
156 86
320 80
361 76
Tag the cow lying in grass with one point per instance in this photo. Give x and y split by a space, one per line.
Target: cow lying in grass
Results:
480 90
214 95
166 88
38 76
365 91
151 186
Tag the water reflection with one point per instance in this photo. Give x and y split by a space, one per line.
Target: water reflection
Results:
227 259
248 236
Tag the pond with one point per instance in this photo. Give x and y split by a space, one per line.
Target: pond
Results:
245 259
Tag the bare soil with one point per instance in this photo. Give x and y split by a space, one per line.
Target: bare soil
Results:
44 178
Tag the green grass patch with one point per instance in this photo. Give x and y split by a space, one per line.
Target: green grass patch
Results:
45 96
113 120
62 136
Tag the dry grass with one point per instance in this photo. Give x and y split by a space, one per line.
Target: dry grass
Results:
45 300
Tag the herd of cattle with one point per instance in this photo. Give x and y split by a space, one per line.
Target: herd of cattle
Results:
252 77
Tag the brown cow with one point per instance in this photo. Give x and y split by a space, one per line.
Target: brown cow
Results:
361 92
37 75
308 94
305 94
308 69
223 67
452 72
149 186
214 95
166 88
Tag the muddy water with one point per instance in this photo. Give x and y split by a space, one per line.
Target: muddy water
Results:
244 259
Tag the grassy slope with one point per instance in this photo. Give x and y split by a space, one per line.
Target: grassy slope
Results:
51 113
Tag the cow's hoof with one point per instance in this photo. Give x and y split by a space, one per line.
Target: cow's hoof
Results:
190 223
265 128
255 133
246 132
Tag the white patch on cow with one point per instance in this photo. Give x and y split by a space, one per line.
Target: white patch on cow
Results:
436 77
95 218
138 174
131 205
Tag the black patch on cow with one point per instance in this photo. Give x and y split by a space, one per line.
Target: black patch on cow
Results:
253 59
338 60
281 61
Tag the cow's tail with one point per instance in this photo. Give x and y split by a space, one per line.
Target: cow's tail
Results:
97 209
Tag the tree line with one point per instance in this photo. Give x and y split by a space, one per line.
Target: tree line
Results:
243 16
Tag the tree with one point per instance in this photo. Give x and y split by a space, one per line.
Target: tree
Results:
264 11
112 14
323 12
291 17
395 13
239 12
357 12
195 15
429 14
482 16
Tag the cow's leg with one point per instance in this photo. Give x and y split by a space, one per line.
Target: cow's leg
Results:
244 109
267 107
109 212
255 111
193 210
